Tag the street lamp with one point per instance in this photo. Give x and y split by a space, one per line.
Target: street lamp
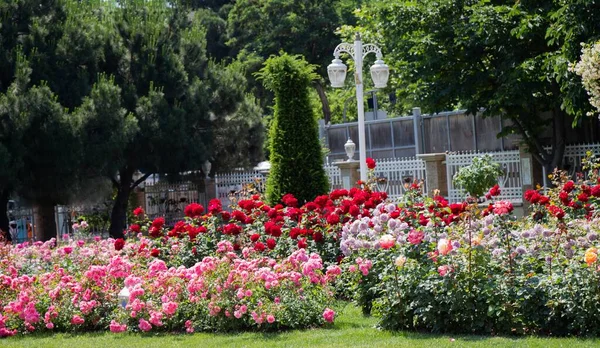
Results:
379 73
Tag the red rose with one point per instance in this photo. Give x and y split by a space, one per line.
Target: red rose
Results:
582 197
544 200
239 215
119 244
154 232
532 196
193 210
556 211
333 219
138 211
370 163
271 243
154 252
259 246
494 191
135 228
214 206
158 222
255 237
564 197
232 229
457 208
595 191
318 237
289 200
311 206
302 243
295 232
569 186
272 229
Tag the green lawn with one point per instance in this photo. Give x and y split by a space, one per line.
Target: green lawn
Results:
350 330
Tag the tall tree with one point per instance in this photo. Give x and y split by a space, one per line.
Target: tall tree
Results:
508 57
171 90
295 151
306 27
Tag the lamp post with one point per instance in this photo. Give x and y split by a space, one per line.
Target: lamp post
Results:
379 73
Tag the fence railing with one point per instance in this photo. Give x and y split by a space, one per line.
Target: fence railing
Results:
170 199
574 154
511 188
395 175
335 176
230 185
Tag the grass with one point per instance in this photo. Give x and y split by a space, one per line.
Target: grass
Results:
351 329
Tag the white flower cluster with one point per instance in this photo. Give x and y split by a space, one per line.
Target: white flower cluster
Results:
589 70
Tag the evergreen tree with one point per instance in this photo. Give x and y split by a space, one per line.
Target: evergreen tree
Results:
295 150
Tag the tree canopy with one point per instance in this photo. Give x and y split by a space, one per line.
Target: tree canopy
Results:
508 57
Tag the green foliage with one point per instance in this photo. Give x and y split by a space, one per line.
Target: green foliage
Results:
477 178
295 156
508 57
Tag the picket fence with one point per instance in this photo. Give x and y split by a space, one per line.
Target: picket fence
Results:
510 182
395 175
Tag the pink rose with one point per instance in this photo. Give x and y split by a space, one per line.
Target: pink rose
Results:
444 246
444 270
170 308
503 207
387 241
328 315
145 326
77 320
116 327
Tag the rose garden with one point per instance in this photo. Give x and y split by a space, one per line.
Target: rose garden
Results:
478 226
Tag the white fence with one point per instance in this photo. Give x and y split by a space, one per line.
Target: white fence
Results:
230 185
395 175
575 153
511 188
334 175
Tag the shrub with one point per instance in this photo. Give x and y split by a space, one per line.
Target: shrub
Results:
485 271
74 287
295 150
479 176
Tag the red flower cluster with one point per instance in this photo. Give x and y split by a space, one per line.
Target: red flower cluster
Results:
289 200
193 210
493 192
138 212
119 244
215 206
371 163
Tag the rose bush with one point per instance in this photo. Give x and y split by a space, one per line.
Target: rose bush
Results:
483 271
74 287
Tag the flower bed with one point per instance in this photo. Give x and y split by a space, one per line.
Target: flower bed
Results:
487 272
418 264
74 287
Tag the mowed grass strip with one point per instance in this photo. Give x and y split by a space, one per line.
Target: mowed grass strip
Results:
351 329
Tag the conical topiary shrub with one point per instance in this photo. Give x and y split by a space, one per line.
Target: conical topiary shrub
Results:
295 151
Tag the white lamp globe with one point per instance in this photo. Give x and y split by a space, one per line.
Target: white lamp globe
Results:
337 73
123 297
380 73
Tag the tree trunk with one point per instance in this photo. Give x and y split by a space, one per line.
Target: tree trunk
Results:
324 101
4 196
558 139
45 221
118 217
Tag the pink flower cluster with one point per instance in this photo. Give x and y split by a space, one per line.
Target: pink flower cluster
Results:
75 286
